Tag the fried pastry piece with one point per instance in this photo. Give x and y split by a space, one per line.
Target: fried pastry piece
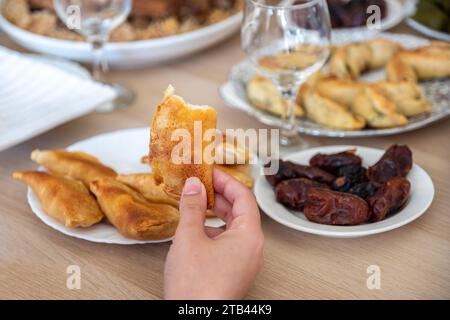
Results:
407 96
351 60
341 91
328 112
378 111
240 176
174 113
132 215
66 200
425 63
262 94
382 51
146 185
76 165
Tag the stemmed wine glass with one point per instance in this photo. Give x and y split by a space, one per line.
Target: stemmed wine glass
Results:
287 41
95 19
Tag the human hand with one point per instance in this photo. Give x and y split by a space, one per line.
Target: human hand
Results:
212 263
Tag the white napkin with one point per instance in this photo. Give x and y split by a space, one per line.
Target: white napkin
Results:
36 97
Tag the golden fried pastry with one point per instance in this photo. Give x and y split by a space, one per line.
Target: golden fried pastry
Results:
407 96
377 110
243 178
174 113
66 200
324 110
350 60
146 185
425 63
76 165
382 51
329 113
263 95
132 215
341 91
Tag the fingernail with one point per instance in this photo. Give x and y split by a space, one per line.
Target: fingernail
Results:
192 186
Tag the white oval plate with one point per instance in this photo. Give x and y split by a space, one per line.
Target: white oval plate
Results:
420 198
133 54
122 151
234 94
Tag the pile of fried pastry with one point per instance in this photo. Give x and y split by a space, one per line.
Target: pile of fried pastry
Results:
79 191
339 100
335 189
148 19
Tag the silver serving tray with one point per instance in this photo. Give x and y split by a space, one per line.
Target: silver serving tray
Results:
437 92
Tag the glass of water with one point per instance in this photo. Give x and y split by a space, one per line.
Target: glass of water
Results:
287 41
95 20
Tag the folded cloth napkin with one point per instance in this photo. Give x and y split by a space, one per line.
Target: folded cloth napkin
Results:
36 96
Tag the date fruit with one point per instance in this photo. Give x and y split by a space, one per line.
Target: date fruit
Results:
335 208
396 162
333 162
289 170
292 192
389 198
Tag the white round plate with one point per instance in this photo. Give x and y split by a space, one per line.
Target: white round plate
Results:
394 15
133 54
427 31
437 92
122 151
420 198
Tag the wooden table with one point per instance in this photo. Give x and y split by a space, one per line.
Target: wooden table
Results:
414 260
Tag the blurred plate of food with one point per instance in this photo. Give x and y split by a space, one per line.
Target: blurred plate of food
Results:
385 85
346 191
349 18
156 31
431 18
123 185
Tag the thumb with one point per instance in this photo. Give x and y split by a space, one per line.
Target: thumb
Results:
192 207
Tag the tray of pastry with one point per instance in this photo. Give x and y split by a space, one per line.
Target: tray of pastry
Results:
386 85
155 31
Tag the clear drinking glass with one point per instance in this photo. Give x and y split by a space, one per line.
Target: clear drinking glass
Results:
287 41
95 19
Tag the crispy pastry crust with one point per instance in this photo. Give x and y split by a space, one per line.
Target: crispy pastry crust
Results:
76 165
174 113
263 95
66 200
132 215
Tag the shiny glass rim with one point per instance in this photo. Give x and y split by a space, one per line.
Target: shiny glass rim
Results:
308 4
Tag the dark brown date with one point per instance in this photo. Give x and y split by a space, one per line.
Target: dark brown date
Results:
335 208
292 192
389 198
289 170
396 162
333 162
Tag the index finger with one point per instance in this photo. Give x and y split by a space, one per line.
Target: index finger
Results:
245 211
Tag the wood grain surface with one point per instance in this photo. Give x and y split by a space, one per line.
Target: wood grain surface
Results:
414 259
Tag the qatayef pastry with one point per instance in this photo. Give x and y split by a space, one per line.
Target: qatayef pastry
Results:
174 113
66 200
132 215
76 165
378 111
263 95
